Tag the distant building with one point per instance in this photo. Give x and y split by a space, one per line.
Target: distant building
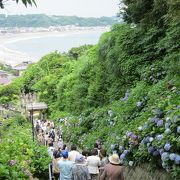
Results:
21 67
4 78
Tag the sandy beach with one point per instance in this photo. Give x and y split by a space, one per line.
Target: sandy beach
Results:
12 57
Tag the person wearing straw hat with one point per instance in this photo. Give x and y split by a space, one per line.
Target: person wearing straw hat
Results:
113 170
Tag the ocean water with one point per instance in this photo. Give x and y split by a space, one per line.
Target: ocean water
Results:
37 47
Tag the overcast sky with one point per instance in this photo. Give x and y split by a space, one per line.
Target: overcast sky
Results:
84 8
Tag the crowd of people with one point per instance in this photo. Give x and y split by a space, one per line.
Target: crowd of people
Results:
70 164
46 132
93 165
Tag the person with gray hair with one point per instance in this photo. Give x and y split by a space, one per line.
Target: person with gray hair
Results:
80 170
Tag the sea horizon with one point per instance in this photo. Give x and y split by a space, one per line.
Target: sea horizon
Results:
16 48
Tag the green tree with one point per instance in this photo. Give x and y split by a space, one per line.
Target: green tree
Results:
25 2
145 12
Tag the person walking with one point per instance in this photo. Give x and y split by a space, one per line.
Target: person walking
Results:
65 166
93 163
80 170
73 153
113 170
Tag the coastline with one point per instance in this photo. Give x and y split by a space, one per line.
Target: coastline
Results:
13 57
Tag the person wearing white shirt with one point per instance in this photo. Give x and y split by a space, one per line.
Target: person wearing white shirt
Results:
93 162
73 153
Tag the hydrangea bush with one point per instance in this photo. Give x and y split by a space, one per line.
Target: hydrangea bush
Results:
143 129
20 157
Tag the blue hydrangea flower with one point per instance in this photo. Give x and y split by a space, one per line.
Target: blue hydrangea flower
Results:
143 141
155 153
125 152
175 118
167 146
159 137
112 146
160 123
177 159
145 126
167 131
167 125
172 156
147 140
178 129
121 148
122 156
150 149
148 144
161 151
139 104
164 156
140 128
153 120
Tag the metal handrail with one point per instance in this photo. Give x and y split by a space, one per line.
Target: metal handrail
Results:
50 173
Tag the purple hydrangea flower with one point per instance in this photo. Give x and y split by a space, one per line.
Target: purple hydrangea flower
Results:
178 129
167 131
128 134
164 156
177 159
150 149
160 123
11 162
167 125
122 156
172 156
155 153
98 142
135 143
133 136
167 146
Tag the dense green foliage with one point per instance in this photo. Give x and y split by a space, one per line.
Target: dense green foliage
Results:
42 20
